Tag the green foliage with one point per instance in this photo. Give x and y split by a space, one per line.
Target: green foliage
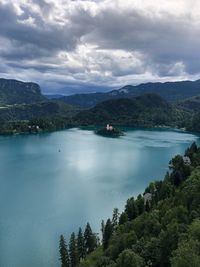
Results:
90 240
108 230
188 251
180 170
128 258
73 252
92 259
143 111
104 262
81 245
131 208
115 217
187 254
194 123
119 242
123 218
64 256
115 132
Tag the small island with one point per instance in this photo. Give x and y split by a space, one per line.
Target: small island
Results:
109 131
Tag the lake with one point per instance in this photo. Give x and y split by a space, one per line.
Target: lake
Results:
50 184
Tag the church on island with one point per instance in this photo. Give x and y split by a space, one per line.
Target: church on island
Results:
109 127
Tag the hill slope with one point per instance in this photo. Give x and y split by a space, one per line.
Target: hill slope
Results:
17 92
47 109
170 91
147 110
191 104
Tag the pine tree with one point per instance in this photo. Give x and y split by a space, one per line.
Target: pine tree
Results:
131 208
115 218
140 204
123 218
107 233
102 227
147 206
64 256
90 239
80 245
73 253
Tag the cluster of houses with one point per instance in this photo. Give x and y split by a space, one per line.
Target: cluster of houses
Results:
34 127
187 160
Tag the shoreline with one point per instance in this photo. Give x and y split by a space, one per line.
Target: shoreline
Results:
124 128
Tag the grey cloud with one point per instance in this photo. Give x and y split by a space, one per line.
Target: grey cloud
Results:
164 39
168 44
51 37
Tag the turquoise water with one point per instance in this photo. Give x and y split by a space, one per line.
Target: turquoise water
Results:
53 183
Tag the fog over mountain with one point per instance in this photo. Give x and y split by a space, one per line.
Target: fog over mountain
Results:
90 45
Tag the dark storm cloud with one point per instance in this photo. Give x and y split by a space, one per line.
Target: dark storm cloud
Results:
97 41
42 35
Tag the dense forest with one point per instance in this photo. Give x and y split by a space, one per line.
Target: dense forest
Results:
160 228
148 110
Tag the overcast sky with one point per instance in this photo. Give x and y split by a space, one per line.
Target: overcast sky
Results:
96 44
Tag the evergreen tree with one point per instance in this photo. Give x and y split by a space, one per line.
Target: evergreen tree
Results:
73 253
115 217
140 204
147 206
64 256
102 227
90 239
131 208
107 233
80 245
123 218
191 150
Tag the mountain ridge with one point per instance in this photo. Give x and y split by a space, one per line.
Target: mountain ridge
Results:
170 91
18 92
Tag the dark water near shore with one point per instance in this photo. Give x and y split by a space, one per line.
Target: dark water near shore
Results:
53 183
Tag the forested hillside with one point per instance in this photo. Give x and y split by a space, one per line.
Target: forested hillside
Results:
143 111
191 104
160 228
36 110
17 92
48 116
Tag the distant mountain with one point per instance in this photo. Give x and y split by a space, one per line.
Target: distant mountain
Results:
54 96
170 91
86 100
146 110
17 92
